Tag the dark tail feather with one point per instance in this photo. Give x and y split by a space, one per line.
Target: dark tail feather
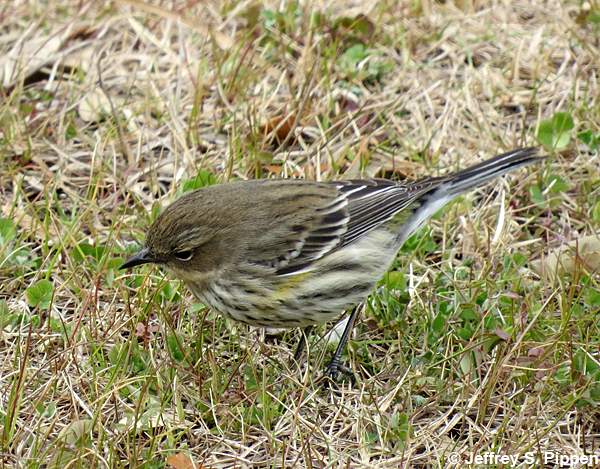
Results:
485 171
447 188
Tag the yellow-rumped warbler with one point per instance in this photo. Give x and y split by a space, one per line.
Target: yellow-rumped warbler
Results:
291 253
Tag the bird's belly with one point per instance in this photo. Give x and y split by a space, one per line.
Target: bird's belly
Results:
264 308
268 306
320 294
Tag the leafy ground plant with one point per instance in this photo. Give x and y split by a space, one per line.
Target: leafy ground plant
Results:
484 337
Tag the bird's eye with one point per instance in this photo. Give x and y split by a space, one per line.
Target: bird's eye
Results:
184 255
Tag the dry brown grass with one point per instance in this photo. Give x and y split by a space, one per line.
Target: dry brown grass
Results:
109 107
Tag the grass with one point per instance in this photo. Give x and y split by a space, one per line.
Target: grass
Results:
475 342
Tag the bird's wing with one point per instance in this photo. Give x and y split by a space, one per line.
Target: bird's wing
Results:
375 201
360 206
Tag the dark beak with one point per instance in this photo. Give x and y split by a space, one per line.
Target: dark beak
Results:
142 257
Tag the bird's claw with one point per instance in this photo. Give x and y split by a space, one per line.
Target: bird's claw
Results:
332 371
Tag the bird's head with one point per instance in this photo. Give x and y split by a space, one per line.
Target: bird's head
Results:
188 238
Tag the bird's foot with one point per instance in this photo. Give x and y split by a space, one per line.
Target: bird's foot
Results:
333 369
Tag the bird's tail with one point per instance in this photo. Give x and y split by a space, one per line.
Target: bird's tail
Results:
448 187
483 172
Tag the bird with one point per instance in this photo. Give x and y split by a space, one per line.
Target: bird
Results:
293 253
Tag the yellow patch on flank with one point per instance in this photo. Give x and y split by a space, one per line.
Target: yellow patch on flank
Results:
285 287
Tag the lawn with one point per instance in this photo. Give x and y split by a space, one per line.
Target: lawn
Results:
480 346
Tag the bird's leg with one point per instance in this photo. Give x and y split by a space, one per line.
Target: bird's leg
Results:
302 344
334 366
